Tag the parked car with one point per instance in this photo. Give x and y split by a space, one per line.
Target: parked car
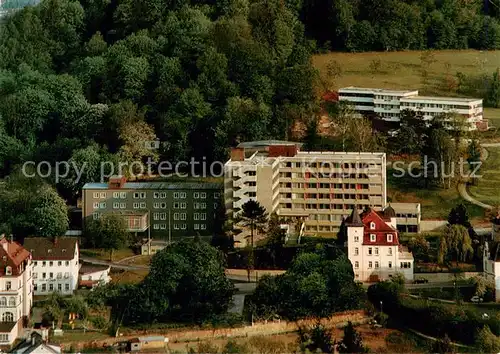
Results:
476 299
420 281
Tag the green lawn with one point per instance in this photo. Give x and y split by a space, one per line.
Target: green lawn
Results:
487 189
436 203
402 70
104 255
78 336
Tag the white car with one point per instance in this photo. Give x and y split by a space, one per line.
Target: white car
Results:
476 299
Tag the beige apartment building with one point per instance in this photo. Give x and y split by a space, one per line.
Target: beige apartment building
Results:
316 188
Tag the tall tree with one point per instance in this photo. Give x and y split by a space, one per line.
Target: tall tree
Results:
254 216
109 232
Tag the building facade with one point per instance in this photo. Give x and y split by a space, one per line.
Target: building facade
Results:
318 188
16 291
157 210
388 104
94 275
408 216
55 264
373 246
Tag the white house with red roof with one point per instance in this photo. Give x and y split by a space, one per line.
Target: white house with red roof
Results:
373 246
16 290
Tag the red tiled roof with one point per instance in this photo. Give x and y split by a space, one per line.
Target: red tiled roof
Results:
88 283
381 230
12 254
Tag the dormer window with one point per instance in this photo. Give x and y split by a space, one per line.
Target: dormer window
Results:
372 226
389 237
373 237
8 271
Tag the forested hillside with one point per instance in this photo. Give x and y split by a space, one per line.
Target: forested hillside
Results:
95 79
365 25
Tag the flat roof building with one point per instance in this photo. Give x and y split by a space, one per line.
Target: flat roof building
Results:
317 188
160 210
388 104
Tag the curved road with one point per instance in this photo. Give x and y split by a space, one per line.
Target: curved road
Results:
462 187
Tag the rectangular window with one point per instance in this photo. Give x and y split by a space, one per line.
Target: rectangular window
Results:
123 205
203 226
156 216
216 195
376 251
102 195
163 216
44 264
356 264
196 226
376 264
44 287
176 195
136 205
373 237
183 195
356 239
156 195
183 226
51 264
156 205
163 205
390 251
51 275
183 205
176 205
136 195
116 205
203 195
143 205
123 195
196 216
51 287
196 195
390 264
203 216
116 195
163 226
203 205
369 251
156 226
356 251
370 265
96 205
67 263
8 285
96 195
66 287
143 195
163 195
176 216
44 275
389 237
176 226
59 287
96 216
183 216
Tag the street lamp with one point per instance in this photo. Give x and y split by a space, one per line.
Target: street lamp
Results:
381 306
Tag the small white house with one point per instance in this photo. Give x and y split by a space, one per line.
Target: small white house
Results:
94 275
56 264
373 246
36 344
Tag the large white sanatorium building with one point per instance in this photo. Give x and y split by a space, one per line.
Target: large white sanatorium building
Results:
373 246
388 104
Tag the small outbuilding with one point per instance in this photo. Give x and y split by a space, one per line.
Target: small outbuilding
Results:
151 342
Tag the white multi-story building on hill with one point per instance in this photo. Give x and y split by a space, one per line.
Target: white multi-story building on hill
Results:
373 246
388 104
16 292
56 264
318 188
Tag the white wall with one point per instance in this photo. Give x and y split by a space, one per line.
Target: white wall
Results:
102 275
64 275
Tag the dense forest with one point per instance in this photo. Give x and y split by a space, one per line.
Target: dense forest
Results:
380 25
96 79
93 80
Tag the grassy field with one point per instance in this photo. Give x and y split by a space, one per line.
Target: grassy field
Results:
436 203
487 190
402 70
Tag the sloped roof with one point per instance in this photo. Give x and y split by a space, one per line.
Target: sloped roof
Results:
42 248
92 268
12 254
381 230
354 219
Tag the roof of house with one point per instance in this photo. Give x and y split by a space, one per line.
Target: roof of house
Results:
152 339
12 254
39 347
381 230
354 219
264 143
158 185
88 283
87 268
6 327
447 99
42 248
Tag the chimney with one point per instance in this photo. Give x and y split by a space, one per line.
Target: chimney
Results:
237 154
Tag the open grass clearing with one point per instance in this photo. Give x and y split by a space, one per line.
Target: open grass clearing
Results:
487 188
